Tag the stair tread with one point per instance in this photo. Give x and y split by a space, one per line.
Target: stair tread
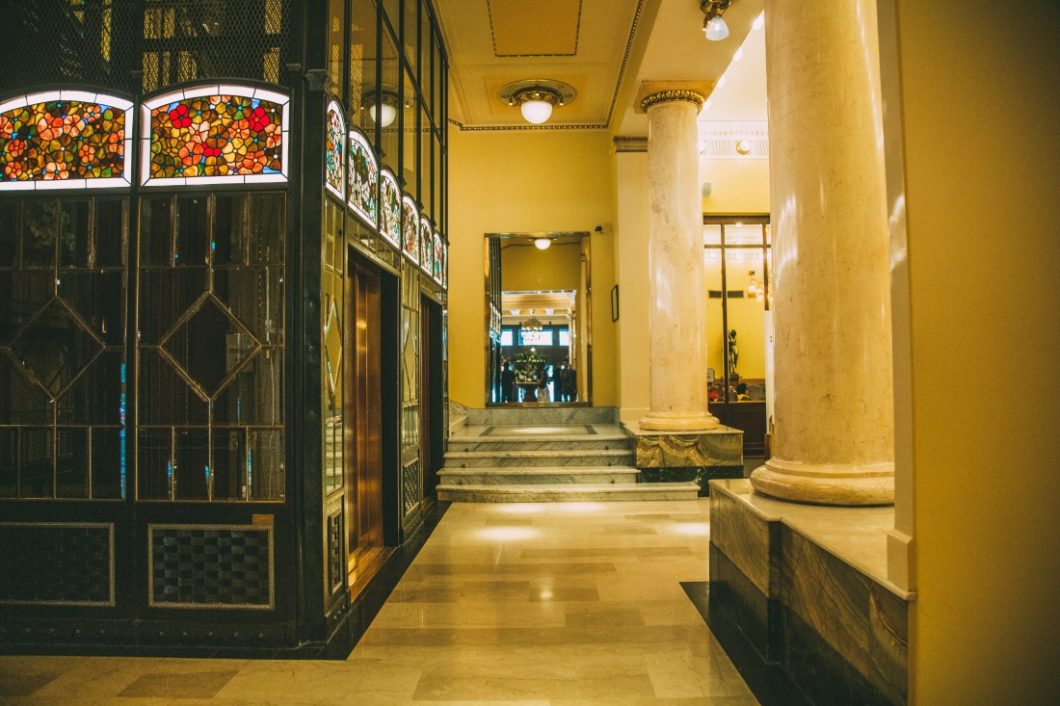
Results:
567 487
509 470
539 452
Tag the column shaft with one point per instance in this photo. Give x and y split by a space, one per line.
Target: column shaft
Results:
677 310
833 418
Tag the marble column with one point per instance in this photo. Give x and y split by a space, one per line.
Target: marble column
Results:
677 310
833 415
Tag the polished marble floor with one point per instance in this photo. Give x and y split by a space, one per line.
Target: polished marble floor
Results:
543 604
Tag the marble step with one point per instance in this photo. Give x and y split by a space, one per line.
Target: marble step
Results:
521 443
535 416
537 475
553 457
567 492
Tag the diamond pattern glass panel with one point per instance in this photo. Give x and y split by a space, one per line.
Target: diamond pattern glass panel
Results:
55 348
209 346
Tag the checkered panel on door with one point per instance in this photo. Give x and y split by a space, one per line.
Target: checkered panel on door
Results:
210 566
57 563
411 490
335 573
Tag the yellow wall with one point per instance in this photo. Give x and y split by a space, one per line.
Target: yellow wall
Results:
524 268
736 185
524 181
980 109
631 271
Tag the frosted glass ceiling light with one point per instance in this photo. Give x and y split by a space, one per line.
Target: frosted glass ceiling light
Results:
713 23
536 111
542 243
536 98
384 110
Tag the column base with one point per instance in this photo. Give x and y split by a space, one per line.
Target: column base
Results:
678 421
824 484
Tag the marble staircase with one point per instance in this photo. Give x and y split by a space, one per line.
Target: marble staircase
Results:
551 454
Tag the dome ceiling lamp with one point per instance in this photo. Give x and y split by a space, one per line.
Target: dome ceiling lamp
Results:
382 108
713 23
537 97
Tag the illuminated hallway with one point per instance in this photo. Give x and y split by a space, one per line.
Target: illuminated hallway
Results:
515 603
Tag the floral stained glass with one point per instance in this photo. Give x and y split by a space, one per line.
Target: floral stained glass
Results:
445 265
363 173
65 139
437 262
426 245
390 207
215 134
335 150
410 227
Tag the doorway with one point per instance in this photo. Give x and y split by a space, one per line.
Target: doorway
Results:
364 447
539 319
431 411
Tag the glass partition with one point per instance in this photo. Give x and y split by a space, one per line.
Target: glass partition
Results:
736 261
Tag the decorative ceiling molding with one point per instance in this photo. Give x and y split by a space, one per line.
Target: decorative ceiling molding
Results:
499 55
734 139
458 85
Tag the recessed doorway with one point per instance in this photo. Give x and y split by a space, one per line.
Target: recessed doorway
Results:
538 315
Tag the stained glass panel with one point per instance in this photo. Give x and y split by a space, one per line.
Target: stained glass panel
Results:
390 207
65 140
438 262
445 265
426 245
364 179
410 229
215 134
335 150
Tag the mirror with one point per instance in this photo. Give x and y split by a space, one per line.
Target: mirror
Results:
538 319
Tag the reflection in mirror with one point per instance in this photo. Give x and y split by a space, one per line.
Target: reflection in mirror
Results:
538 319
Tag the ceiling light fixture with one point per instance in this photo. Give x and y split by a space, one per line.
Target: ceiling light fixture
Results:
713 23
536 98
531 324
384 109
542 243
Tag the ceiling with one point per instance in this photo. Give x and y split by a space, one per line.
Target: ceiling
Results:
605 49
546 306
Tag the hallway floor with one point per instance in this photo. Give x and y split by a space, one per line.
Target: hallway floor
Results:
545 604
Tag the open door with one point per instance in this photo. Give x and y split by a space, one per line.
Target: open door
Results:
432 417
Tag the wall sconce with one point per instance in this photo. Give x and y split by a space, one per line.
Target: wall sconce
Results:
713 23
537 97
382 109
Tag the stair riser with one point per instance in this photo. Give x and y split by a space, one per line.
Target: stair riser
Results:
524 479
572 445
571 495
491 461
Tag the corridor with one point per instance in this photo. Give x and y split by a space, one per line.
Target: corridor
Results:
543 604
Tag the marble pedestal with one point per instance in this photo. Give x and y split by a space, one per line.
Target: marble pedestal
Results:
805 588
669 456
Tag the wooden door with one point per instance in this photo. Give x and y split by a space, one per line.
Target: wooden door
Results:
364 458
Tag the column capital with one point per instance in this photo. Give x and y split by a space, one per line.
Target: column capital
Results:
654 92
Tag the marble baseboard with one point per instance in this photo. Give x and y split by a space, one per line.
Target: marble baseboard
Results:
720 447
839 633
700 475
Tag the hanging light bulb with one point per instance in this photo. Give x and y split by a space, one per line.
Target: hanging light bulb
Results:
716 29
713 24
